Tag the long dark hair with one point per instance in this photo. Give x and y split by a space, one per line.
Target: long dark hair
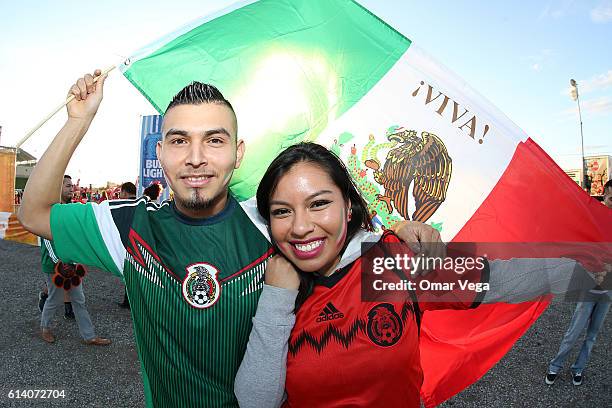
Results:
336 170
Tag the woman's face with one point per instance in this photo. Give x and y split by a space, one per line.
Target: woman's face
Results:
308 218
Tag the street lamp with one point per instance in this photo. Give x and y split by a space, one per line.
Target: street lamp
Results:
576 97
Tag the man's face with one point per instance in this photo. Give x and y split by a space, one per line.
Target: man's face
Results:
607 198
66 191
198 154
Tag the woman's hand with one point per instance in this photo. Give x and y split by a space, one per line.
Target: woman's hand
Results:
281 273
422 239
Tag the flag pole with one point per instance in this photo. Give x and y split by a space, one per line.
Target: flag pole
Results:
57 109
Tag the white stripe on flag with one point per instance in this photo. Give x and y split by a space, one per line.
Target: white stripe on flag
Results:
476 167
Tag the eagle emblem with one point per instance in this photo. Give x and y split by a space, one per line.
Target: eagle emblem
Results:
201 287
384 325
421 162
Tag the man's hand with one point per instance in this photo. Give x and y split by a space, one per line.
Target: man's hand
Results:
422 239
87 96
44 184
281 273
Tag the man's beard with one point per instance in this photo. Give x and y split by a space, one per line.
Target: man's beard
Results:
197 203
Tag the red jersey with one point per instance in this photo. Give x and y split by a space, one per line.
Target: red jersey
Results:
344 352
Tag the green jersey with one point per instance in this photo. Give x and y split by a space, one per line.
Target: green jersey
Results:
193 287
48 259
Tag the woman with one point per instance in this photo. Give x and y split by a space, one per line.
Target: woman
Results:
337 349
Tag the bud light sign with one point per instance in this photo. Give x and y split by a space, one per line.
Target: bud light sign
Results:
150 168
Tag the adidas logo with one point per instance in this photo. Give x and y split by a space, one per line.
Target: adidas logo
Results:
329 313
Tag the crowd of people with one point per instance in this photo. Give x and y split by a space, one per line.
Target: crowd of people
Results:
226 296
97 195
83 194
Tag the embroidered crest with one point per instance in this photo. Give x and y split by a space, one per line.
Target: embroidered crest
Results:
201 287
384 325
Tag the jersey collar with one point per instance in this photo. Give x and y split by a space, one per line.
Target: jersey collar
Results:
230 206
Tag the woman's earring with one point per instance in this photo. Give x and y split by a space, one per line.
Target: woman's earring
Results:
350 214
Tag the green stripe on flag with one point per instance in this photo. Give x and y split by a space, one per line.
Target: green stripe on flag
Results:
289 67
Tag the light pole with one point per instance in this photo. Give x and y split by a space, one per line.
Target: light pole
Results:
576 97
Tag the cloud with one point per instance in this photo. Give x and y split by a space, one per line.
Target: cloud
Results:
538 61
556 9
602 13
596 147
596 83
596 106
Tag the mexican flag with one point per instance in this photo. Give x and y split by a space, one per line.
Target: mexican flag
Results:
420 143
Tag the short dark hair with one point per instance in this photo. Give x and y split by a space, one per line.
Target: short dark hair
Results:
67 177
152 191
197 93
607 186
336 170
129 188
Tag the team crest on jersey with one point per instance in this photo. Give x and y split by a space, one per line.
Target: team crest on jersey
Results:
201 287
384 325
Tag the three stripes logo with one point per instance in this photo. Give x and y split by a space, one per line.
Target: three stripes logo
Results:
329 313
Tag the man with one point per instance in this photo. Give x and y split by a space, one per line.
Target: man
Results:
589 314
42 299
126 192
152 192
67 188
56 294
192 266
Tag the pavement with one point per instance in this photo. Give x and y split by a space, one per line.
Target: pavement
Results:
89 376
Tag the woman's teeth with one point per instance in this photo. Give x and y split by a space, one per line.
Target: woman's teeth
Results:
309 247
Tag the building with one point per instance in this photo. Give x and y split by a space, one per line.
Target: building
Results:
25 165
575 174
598 173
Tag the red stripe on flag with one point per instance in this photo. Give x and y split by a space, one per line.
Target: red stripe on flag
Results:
534 201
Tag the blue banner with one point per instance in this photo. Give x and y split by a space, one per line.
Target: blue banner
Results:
150 170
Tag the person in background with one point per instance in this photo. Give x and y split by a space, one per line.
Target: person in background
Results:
103 196
152 192
127 192
43 295
51 264
589 315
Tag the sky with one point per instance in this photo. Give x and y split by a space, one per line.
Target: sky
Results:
519 55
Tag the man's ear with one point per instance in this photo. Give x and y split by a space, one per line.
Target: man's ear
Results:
239 152
158 149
